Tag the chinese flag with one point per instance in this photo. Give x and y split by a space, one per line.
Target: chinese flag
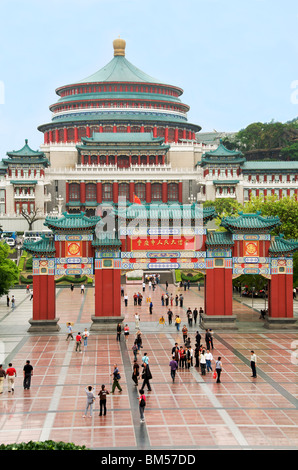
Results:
136 199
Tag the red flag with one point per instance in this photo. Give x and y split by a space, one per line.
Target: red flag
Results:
136 199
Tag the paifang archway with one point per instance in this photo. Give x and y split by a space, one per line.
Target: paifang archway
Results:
88 245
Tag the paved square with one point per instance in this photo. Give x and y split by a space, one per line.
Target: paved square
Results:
193 413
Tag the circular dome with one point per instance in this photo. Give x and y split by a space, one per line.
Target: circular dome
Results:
119 47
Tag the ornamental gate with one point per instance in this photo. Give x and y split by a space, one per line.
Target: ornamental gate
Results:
81 246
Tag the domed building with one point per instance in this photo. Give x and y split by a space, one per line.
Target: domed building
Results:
122 133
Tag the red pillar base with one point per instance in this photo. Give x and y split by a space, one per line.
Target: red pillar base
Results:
107 300
44 305
218 312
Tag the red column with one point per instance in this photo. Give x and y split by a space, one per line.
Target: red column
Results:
76 134
45 137
115 192
180 191
107 281
44 304
67 192
219 290
128 127
142 128
176 135
154 131
100 128
51 136
65 134
148 191
56 135
83 192
184 134
114 128
281 296
164 192
88 131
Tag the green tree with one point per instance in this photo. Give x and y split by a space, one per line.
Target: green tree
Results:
286 209
9 272
224 207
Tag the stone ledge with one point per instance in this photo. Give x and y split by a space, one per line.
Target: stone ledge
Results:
105 324
43 326
280 323
220 322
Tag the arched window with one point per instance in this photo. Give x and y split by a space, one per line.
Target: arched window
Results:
90 192
74 192
140 191
124 190
173 192
156 192
107 192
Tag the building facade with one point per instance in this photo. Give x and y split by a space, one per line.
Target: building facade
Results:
121 132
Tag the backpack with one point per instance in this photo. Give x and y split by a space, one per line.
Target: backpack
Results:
142 402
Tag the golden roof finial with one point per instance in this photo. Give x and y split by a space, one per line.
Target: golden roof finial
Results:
119 47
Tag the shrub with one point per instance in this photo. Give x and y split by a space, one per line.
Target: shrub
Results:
45 445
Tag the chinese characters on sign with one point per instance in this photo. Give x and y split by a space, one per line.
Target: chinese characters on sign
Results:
161 244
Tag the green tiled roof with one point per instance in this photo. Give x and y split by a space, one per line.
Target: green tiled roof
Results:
126 137
250 223
225 181
71 221
119 69
26 151
219 239
44 246
171 211
222 155
270 165
280 246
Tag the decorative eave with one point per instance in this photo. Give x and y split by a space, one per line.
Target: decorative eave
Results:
72 222
250 223
41 248
222 155
282 247
219 239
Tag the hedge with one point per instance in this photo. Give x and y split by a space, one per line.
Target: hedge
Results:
71 279
45 445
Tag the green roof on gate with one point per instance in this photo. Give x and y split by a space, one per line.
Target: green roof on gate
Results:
280 246
45 246
252 223
219 239
71 222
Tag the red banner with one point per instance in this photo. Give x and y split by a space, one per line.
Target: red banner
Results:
162 244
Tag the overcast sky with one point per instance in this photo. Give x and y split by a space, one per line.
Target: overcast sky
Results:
236 60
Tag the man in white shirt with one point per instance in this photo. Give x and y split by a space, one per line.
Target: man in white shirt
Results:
253 361
209 358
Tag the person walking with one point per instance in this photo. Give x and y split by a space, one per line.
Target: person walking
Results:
218 368
174 366
195 315
162 321
170 316
139 340
181 357
135 350
103 400
145 359
135 372
28 373
253 361
203 362
69 331
184 333
150 307
82 289
126 332
78 342
137 321
2 378
142 404
11 375
146 376
7 300
207 339
118 337
178 322
90 400
85 337
13 302
209 358
116 377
